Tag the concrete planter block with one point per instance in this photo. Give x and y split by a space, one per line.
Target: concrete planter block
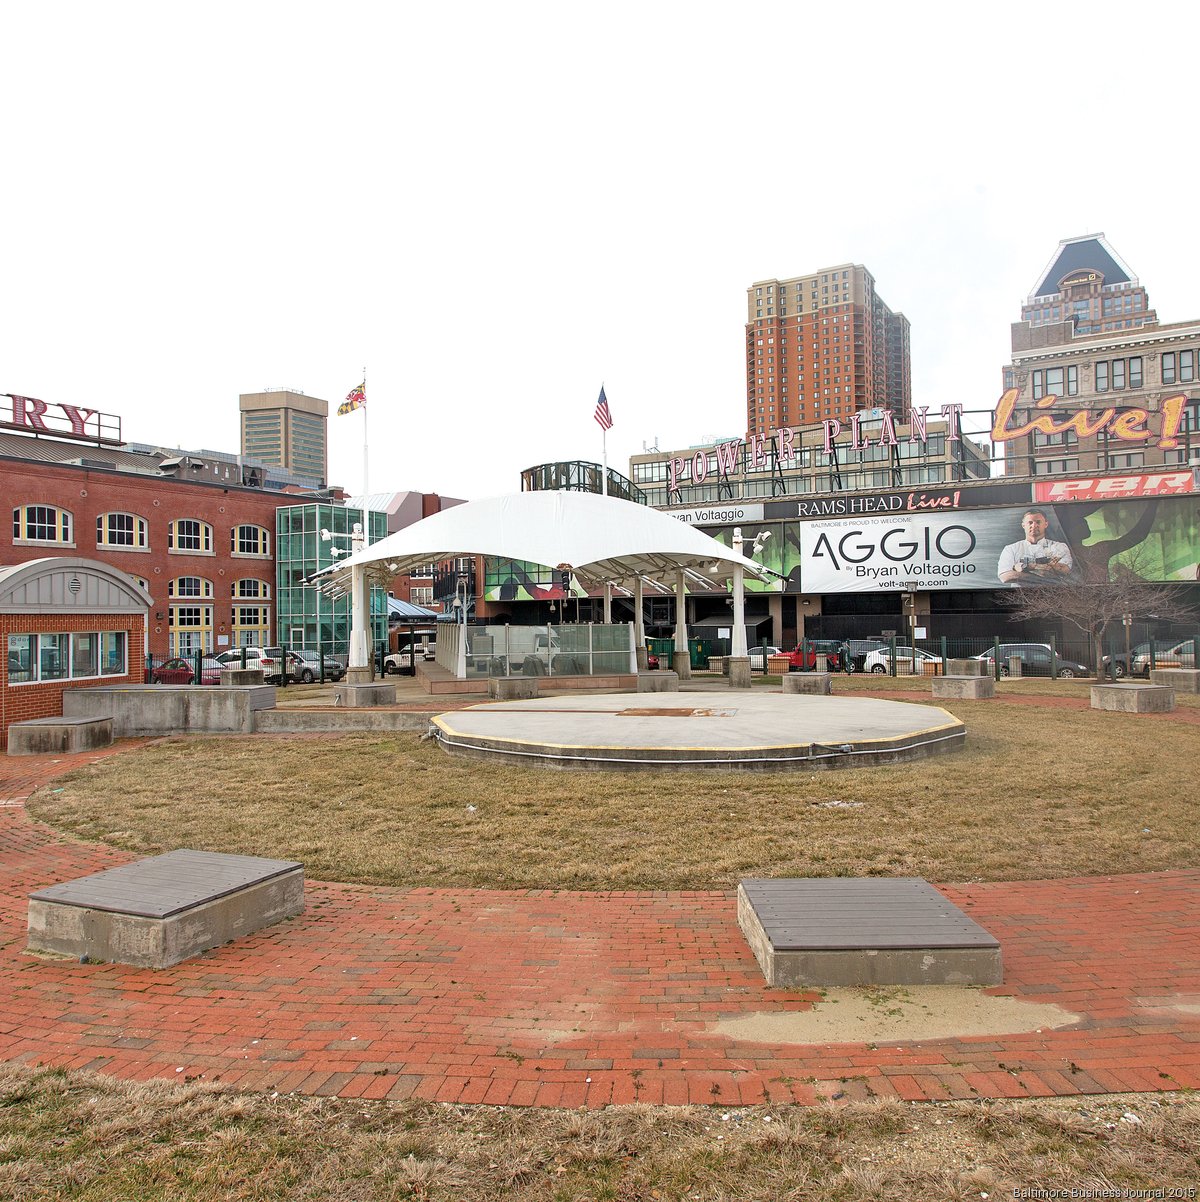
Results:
168 908
966 667
1133 698
49 736
1182 680
778 665
235 677
964 688
657 682
161 709
820 683
1015 666
512 688
737 668
843 931
355 696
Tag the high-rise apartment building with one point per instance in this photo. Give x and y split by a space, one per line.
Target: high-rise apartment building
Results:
823 345
287 429
1086 282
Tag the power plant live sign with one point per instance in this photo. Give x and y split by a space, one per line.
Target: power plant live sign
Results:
61 420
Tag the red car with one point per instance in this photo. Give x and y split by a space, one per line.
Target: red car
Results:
651 661
823 652
182 671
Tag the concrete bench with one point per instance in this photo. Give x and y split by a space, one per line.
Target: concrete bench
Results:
50 736
165 909
355 696
855 931
1182 680
240 677
964 688
512 688
1133 698
967 667
820 683
658 682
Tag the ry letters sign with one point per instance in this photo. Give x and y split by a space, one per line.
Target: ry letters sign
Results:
63 421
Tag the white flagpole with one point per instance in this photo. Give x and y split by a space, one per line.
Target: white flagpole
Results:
366 489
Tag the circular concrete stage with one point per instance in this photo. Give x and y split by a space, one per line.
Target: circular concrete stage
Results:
745 731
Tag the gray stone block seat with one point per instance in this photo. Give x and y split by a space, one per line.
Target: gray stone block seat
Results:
164 909
64 736
851 931
1133 698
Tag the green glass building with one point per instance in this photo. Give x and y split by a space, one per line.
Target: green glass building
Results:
304 617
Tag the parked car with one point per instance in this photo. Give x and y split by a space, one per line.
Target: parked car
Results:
403 660
651 661
1177 655
182 670
813 652
268 660
310 668
1139 657
1035 660
756 656
910 661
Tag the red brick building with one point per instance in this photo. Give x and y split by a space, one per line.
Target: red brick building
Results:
823 346
66 622
188 530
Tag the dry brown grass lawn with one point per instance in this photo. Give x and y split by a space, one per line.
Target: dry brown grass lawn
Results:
93 1139
1039 792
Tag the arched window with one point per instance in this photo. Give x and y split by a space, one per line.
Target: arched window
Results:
250 540
42 524
190 586
250 588
122 531
191 536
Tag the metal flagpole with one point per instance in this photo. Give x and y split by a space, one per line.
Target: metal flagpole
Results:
366 489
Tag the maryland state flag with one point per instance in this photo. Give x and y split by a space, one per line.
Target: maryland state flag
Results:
355 399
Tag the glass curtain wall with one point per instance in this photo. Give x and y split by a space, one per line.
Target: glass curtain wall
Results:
306 618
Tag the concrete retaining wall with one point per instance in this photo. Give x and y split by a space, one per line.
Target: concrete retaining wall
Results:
339 721
163 709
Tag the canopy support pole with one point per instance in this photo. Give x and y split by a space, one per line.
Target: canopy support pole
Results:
681 660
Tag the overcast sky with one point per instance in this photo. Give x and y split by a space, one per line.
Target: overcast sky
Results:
496 207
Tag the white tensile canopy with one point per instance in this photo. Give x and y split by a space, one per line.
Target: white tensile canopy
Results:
602 540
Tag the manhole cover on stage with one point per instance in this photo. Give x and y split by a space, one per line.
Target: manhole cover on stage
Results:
768 732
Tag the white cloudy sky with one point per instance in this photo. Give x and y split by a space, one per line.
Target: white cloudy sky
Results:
495 207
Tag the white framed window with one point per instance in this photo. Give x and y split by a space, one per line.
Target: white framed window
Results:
122 531
43 524
190 535
33 658
250 540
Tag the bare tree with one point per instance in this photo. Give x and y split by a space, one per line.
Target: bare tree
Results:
1102 592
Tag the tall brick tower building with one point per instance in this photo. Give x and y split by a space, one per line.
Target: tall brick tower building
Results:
823 345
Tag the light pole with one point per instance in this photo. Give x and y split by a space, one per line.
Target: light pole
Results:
360 669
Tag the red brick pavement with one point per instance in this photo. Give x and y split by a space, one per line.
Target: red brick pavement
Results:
551 998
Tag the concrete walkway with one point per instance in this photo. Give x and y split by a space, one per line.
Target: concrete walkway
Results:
554 998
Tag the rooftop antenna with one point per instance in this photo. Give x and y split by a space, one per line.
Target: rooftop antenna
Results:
652 447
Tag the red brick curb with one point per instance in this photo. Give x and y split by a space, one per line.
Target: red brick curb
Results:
550 998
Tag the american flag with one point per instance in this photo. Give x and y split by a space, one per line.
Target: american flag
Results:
603 415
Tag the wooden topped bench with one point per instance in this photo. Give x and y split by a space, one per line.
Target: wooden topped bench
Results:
165 909
856 931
